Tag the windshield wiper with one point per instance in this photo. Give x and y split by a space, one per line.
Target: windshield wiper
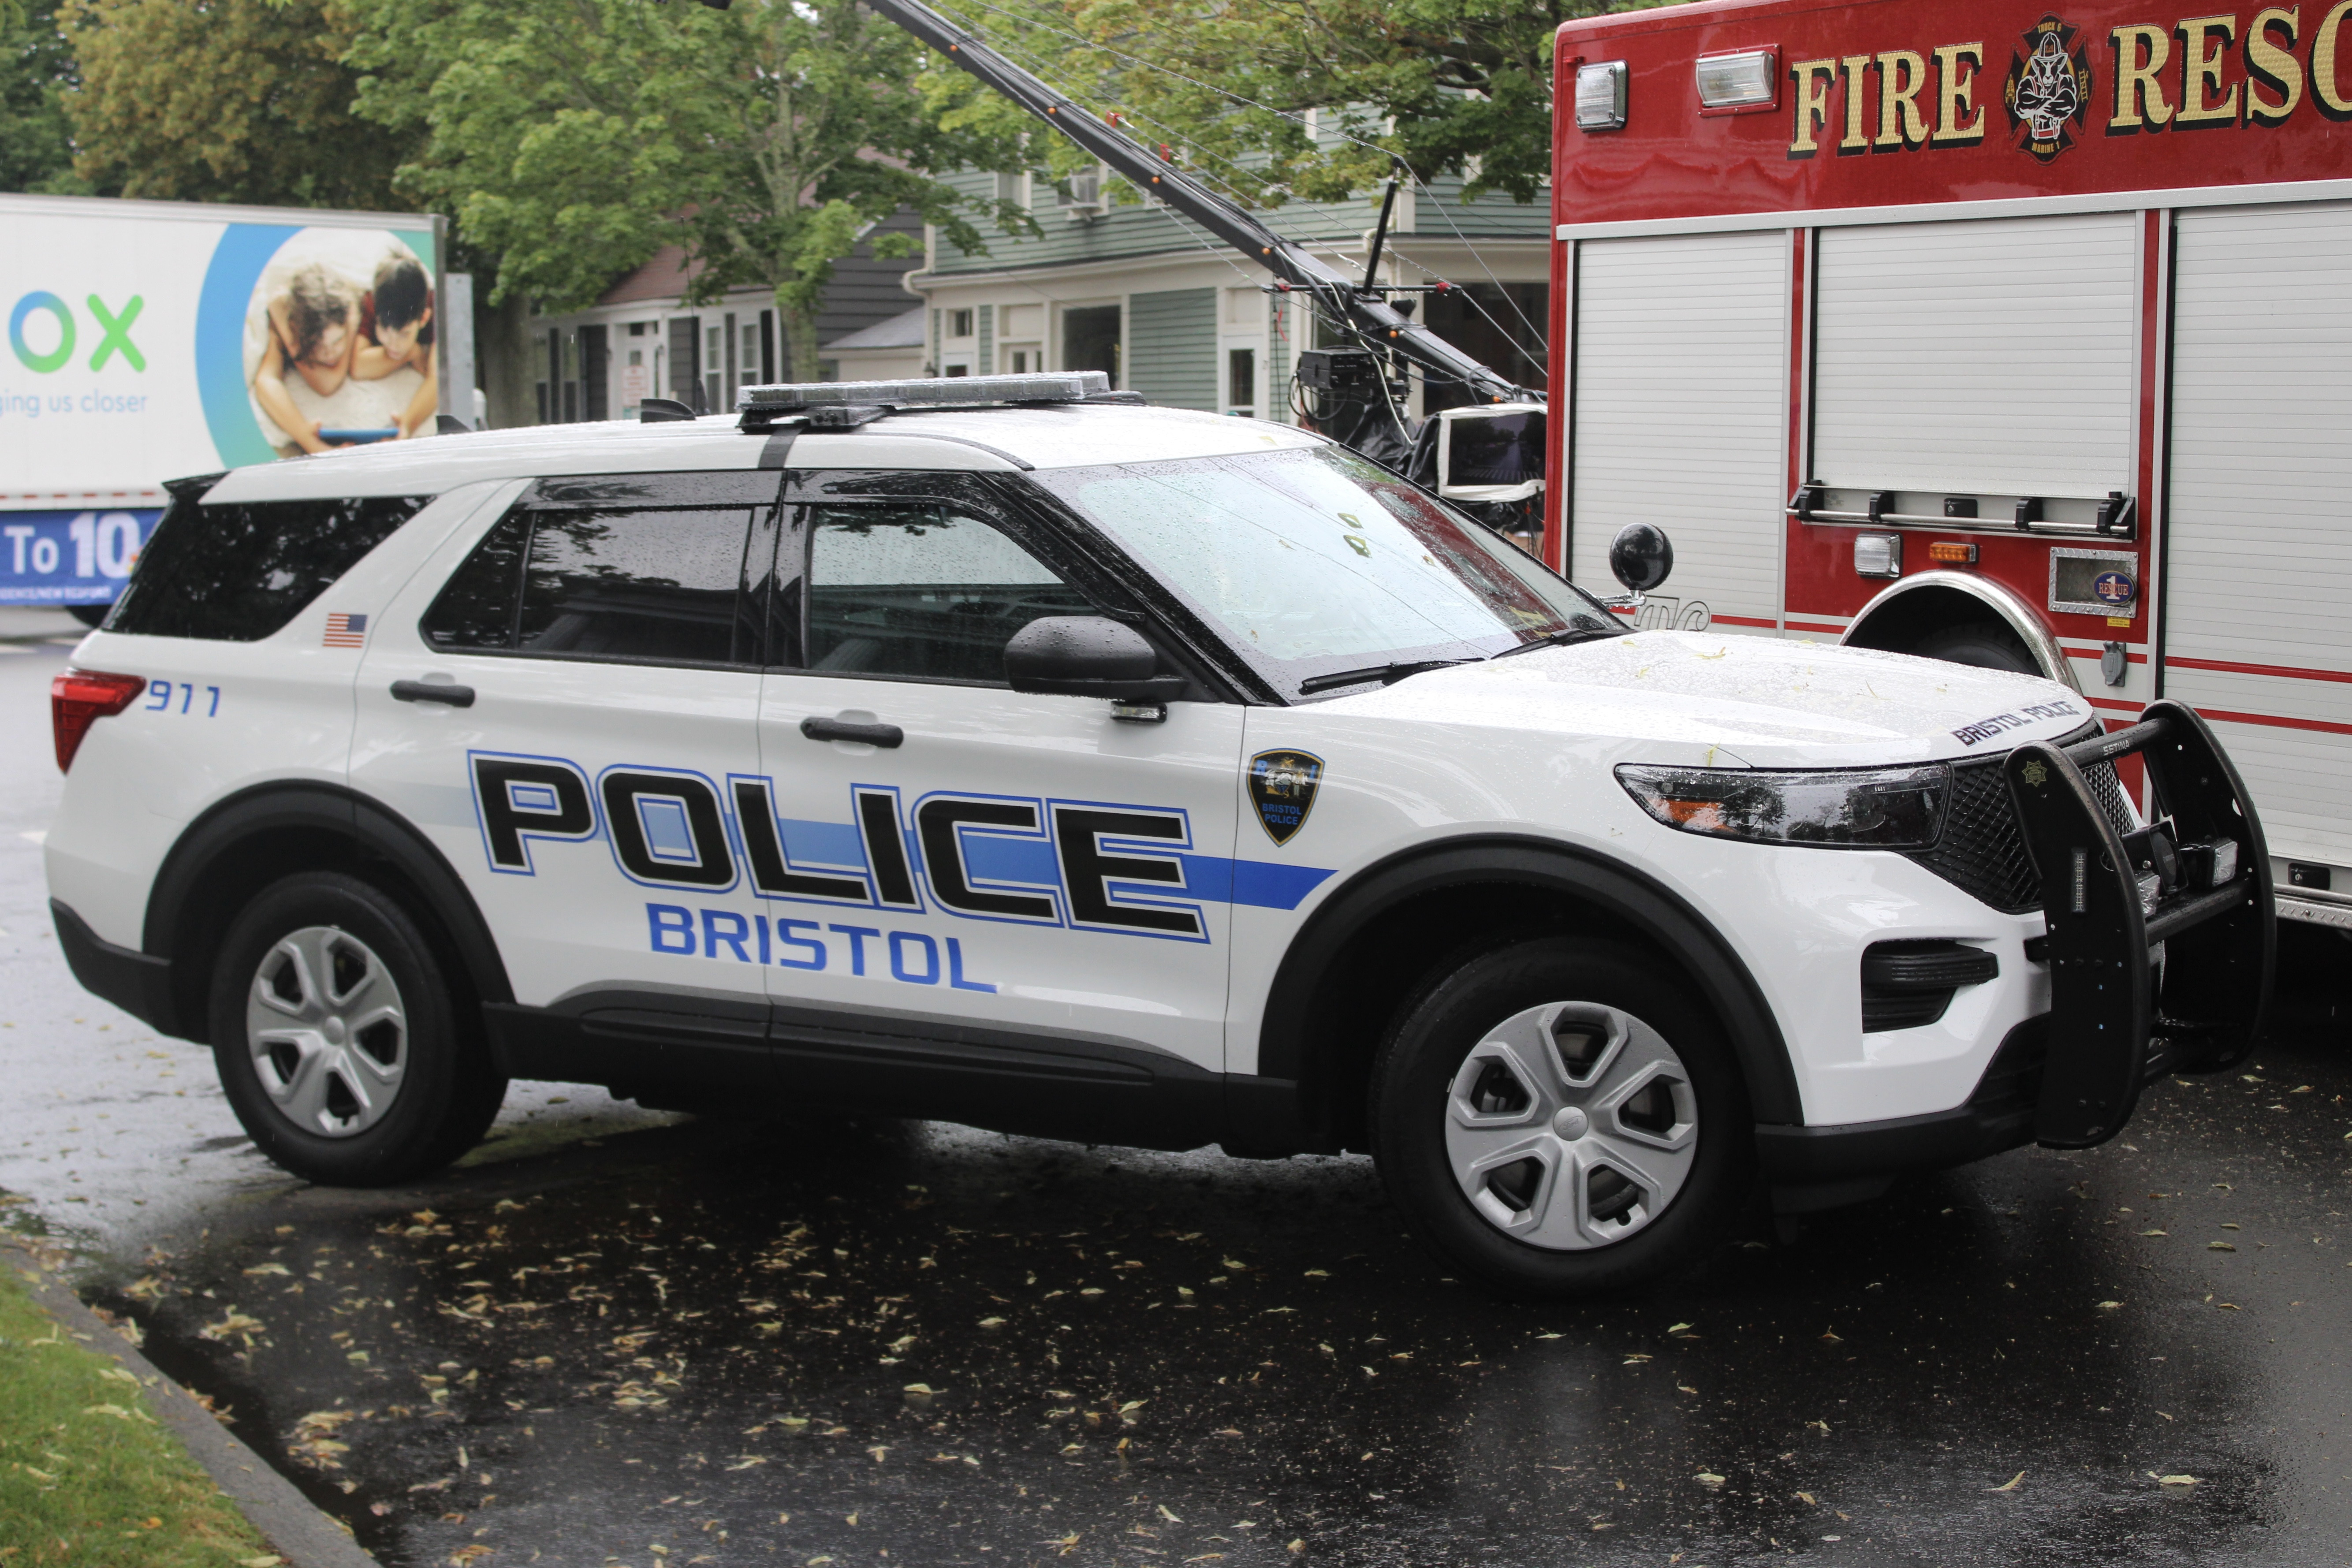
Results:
1559 639
1386 674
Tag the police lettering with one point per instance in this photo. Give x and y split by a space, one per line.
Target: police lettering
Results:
1986 729
1100 866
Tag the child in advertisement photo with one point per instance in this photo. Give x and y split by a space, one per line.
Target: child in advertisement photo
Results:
397 334
314 329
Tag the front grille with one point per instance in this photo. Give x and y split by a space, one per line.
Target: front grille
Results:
1982 851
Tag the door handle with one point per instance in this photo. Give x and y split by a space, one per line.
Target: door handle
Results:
433 692
884 735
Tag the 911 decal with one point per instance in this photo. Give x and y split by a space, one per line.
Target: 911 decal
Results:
1101 866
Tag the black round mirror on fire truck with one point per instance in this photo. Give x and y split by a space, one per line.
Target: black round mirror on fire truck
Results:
1641 556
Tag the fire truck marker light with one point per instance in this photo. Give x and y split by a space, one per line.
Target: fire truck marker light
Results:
1951 552
1600 96
1749 79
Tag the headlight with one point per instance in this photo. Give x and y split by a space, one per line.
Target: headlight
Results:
1844 808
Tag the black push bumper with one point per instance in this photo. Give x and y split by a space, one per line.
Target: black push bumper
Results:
2161 945
2160 949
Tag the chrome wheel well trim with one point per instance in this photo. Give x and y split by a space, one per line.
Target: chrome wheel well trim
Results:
2013 611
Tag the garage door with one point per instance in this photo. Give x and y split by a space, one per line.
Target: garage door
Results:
2258 550
1681 387
1983 358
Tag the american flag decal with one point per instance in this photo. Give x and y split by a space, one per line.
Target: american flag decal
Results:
345 631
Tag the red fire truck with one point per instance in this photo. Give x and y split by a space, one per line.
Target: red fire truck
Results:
1962 328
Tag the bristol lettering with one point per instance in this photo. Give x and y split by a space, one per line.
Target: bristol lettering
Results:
910 957
1986 729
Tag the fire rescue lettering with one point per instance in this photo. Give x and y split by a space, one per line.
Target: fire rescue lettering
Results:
2198 73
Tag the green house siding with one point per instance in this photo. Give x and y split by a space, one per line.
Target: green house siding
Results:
1134 230
1171 347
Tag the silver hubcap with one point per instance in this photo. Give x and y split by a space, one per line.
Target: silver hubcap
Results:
327 1033
1572 1126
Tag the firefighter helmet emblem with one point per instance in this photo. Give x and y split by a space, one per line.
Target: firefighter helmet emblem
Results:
2048 90
1282 789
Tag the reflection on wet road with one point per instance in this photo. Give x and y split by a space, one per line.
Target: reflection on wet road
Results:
616 1339
953 1347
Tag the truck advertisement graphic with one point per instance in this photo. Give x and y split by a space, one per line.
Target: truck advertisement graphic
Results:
149 339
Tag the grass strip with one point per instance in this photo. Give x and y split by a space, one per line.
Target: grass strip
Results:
87 1477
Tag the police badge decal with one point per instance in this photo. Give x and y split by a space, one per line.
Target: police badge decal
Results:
1282 788
2048 90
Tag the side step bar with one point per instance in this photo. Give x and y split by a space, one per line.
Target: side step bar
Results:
2186 905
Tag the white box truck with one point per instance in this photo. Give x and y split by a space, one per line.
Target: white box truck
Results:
149 339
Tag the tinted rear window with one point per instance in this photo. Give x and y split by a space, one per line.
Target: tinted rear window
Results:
238 572
664 584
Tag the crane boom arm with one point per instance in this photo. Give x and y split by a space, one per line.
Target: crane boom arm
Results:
1339 298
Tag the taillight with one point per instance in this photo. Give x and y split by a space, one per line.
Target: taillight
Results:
79 697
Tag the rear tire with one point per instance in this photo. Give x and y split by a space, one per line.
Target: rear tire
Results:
1559 1117
339 1040
1979 646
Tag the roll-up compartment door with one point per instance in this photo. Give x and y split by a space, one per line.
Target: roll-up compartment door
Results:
2258 544
1680 388
1992 357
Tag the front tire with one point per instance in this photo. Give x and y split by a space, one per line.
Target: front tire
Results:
1559 1117
339 1041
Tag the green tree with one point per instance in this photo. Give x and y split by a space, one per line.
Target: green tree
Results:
243 101
573 138
37 73
1458 87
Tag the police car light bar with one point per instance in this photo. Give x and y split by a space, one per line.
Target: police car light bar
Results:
927 392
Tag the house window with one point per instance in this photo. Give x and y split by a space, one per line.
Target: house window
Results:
1012 190
959 323
714 369
1241 383
1082 192
1017 361
1090 340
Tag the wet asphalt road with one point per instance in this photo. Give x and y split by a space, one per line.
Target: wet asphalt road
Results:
617 1338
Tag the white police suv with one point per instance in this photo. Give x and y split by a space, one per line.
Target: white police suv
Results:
999 751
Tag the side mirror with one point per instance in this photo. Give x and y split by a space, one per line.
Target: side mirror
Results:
1641 556
1086 656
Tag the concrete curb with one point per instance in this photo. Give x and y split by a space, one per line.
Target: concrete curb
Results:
292 1523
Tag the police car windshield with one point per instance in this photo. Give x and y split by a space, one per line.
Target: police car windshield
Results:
1314 562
